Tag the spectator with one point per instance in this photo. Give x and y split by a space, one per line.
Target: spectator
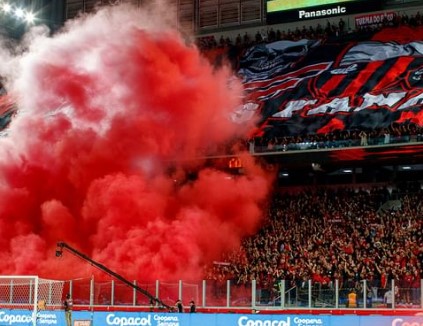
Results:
388 299
352 299
68 306
179 306
192 308
363 138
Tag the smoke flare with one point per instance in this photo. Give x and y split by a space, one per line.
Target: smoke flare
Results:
112 112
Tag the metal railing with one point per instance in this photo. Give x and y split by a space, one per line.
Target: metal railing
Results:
228 294
335 144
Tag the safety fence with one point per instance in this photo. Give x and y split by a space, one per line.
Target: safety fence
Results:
227 294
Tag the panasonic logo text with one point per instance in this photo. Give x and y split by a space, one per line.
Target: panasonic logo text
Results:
321 13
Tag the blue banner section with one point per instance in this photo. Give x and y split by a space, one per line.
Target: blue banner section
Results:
391 321
88 318
25 317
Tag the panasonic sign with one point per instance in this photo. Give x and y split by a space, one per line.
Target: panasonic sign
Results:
303 14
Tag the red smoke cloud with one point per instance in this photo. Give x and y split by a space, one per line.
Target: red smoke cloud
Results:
107 108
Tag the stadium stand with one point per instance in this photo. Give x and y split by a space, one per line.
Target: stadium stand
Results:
348 235
344 234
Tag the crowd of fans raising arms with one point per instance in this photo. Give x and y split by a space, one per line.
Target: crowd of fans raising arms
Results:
346 235
317 32
394 134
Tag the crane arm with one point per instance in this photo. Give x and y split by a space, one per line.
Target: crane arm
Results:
63 245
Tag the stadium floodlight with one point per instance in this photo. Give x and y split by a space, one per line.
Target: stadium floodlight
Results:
29 17
19 12
6 7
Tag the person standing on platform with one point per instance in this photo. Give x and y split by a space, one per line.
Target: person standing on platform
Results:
192 307
68 305
387 299
352 299
179 307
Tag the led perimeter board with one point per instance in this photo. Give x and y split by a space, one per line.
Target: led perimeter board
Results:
282 11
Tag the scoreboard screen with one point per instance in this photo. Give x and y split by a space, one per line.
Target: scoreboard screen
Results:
281 11
281 5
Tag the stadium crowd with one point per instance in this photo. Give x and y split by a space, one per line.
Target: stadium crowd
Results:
317 32
394 134
325 235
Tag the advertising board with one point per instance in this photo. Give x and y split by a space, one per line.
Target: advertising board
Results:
281 11
86 318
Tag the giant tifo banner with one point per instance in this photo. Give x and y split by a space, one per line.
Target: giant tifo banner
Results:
309 87
81 318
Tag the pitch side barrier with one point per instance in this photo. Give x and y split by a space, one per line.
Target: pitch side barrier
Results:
86 318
